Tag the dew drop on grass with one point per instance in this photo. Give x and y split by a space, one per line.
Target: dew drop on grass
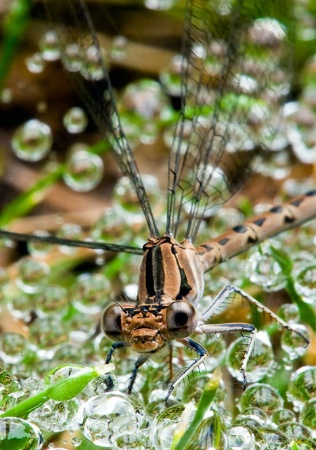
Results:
262 396
240 438
13 347
104 417
32 141
75 120
49 46
84 171
19 433
39 248
35 63
289 312
261 360
294 345
31 274
302 386
308 416
282 415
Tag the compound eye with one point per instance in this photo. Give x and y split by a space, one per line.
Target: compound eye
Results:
181 319
111 322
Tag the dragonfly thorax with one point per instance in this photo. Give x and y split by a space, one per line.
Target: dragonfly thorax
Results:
170 282
170 269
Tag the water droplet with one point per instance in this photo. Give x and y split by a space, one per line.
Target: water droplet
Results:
308 416
104 417
32 141
289 313
159 5
264 270
93 64
261 396
302 386
76 441
295 430
110 226
70 231
273 438
84 171
15 431
118 49
6 95
283 415
240 438
75 120
49 46
55 416
39 248
305 284
126 200
51 300
48 332
292 343
164 425
13 347
20 306
35 63
170 78
31 274
73 58
90 293
261 360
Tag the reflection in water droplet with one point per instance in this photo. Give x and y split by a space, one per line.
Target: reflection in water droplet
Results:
294 345
31 274
90 292
261 360
70 231
84 171
104 417
39 248
305 284
32 141
240 438
118 49
49 46
14 429
261 396
264 270
75 120
302 386
55 416
35 63
308 416
13 347
289 312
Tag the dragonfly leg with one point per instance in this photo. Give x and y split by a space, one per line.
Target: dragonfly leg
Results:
234 328
113 348
202 354
140 361
228 294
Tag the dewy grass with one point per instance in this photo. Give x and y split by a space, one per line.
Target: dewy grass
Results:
87 400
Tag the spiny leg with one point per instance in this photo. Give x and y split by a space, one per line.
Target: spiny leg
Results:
234 328
216 305
233 290
202 355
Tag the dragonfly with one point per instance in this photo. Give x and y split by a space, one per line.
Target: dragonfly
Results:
219 139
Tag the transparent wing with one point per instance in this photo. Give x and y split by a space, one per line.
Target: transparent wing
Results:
82 58
235 77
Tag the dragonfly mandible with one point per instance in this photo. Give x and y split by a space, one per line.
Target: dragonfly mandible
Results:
219 140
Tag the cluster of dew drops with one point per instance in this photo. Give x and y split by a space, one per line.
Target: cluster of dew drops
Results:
113 419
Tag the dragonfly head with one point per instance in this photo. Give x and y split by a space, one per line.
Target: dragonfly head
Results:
146 328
